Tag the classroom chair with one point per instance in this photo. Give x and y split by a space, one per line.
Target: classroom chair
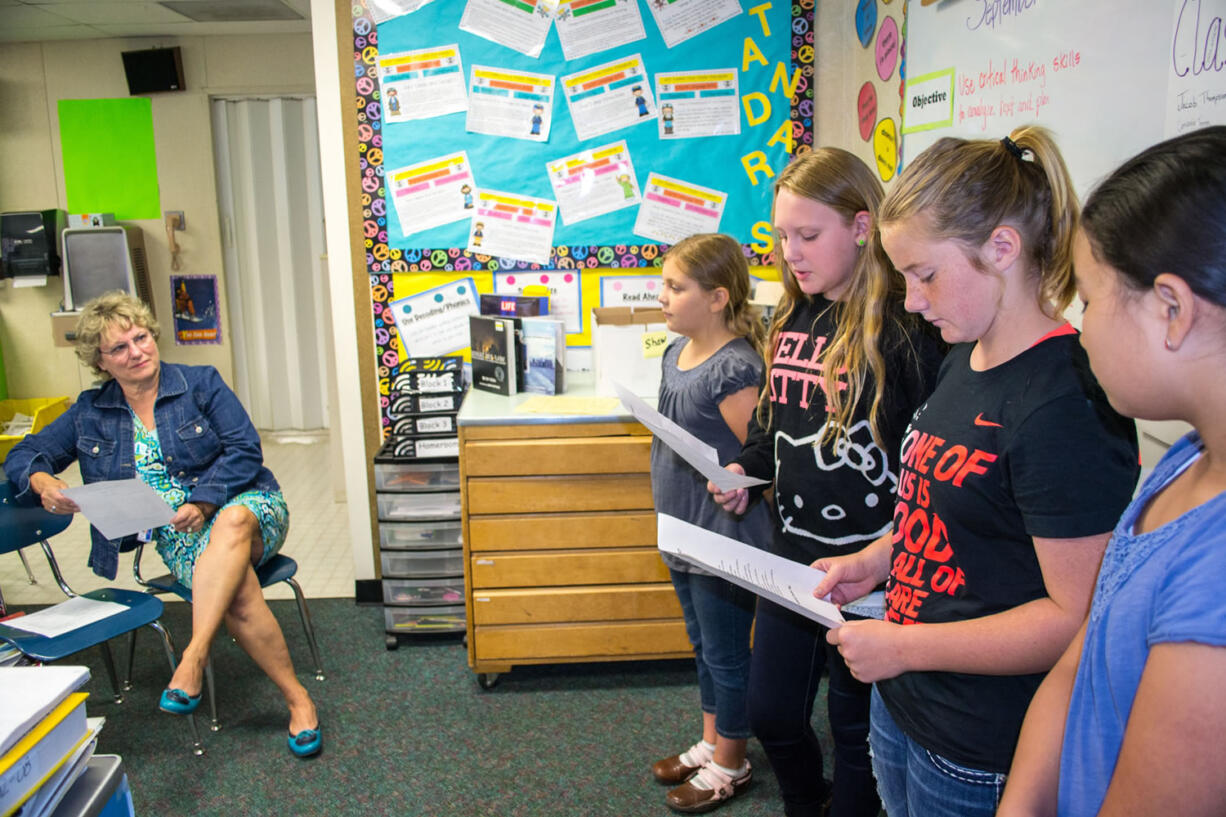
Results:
22 526
279 568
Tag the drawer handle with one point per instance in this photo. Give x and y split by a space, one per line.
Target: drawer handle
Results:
485 561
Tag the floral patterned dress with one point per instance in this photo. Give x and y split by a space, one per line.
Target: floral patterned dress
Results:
180 550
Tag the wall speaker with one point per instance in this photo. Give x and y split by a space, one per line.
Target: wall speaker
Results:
153 70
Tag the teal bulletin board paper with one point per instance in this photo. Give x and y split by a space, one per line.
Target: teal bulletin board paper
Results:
518 166
110 165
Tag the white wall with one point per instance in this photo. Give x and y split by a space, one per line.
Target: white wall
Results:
33 77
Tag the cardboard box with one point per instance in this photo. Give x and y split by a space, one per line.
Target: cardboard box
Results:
627 345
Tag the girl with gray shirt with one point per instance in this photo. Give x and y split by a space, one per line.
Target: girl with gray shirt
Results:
710 383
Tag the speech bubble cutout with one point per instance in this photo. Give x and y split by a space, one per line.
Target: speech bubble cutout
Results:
866 109
885 148
866 21
887 48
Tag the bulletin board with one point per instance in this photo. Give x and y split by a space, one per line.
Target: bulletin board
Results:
594 261
1108 81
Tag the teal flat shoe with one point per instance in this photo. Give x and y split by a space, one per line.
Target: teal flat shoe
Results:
307 742
178 702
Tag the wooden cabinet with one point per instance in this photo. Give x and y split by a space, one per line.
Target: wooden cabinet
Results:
560 559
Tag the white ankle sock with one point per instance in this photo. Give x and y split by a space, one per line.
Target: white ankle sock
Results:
689 760
699 782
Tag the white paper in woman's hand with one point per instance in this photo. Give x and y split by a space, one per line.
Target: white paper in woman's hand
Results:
120 507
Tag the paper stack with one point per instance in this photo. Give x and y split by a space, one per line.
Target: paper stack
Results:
45 738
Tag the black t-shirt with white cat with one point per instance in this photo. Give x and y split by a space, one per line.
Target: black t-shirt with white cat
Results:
1029 448
833 500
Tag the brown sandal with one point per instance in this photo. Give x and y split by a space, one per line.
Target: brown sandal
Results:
691 799
679 767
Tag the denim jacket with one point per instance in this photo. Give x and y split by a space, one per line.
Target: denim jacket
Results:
208 444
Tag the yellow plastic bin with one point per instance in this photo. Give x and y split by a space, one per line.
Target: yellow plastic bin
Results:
42 409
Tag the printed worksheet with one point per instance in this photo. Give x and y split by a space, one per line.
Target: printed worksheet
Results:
673 209
609 97
698 103
521 25
503 102
588 26
509 225
773 577
594 182
434 192
679 20
563 286
421 84
435 322
383 10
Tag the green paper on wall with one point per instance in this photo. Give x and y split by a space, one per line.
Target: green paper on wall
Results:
110 165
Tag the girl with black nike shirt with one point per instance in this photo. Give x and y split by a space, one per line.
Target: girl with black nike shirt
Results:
1012 475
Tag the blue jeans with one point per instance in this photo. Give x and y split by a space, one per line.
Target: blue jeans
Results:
718 618
915 782
789 653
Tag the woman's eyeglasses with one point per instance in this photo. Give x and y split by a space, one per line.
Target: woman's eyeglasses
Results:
141 340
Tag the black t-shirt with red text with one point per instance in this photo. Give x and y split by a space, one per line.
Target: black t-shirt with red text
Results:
832 500
993 458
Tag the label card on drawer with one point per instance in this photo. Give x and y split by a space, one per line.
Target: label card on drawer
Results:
485 561
783 581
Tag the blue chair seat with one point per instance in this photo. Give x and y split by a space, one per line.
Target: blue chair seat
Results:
141 609
22 526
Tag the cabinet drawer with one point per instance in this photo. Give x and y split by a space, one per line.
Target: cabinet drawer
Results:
621 492
411 564
396 477
568 567
596 529
406 507
650 639
447 533
423 591
424 619
562 604
594 455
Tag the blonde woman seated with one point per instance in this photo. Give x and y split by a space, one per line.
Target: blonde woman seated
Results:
183 431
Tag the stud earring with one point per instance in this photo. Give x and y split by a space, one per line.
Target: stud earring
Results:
1167 344
860 242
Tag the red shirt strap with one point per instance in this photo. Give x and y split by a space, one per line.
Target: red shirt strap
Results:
1065 329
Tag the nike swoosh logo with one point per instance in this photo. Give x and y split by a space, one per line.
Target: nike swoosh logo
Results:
979 421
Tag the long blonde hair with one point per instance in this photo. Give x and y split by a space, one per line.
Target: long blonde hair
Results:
964 189
714 260
872 301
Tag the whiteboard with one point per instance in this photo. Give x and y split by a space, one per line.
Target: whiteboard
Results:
1108 78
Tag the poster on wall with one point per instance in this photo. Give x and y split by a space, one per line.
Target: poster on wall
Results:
422 84
565 298
586 28
195 311
594 182
673 209
435 322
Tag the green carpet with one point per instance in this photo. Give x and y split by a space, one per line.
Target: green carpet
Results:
408 731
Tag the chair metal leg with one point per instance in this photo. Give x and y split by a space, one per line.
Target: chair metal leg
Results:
110 670
127 679
215 725
305 615
197 746
29 573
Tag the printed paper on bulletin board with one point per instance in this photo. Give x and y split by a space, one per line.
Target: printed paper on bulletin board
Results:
758 45
110 165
